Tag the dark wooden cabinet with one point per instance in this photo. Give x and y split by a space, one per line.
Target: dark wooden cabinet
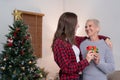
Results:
34 21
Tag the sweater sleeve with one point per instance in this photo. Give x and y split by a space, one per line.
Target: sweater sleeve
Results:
107 65
62 58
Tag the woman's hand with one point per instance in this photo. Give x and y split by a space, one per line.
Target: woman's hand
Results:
96 58
90 56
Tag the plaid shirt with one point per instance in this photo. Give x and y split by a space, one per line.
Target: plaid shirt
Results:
66 59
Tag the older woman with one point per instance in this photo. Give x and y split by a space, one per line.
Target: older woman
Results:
103 62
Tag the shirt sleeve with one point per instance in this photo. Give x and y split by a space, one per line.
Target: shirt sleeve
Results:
103 37
64 59
107 65
80 39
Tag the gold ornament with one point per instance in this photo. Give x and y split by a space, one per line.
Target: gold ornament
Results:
14 72
4 59
41 75
10 66
17 15
30 62
23 68
3 68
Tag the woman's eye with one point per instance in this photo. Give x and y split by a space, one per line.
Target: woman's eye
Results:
90 25
85 26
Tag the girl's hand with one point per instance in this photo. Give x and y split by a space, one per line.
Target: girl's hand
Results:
108 42
96 58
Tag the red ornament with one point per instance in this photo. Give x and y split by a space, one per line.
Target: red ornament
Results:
22 52
15 34
27 37
16 31
10 42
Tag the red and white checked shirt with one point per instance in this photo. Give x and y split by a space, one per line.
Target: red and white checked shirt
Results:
65 58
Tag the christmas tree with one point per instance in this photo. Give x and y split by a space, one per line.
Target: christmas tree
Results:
17 61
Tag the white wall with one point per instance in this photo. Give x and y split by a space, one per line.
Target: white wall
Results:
107 11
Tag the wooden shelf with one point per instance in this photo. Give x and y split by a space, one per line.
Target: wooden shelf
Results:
31 13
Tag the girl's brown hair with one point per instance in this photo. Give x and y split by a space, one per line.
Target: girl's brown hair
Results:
66 27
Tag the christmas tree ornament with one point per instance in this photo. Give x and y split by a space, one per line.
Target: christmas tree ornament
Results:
17 15
17 29
3 68
10 66
4 59
14 72
23 68
30 62
41 75
22 52
10 42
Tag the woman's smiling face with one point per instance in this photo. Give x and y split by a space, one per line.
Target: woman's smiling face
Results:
91 28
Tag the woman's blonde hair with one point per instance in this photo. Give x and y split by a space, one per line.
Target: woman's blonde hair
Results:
96 21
